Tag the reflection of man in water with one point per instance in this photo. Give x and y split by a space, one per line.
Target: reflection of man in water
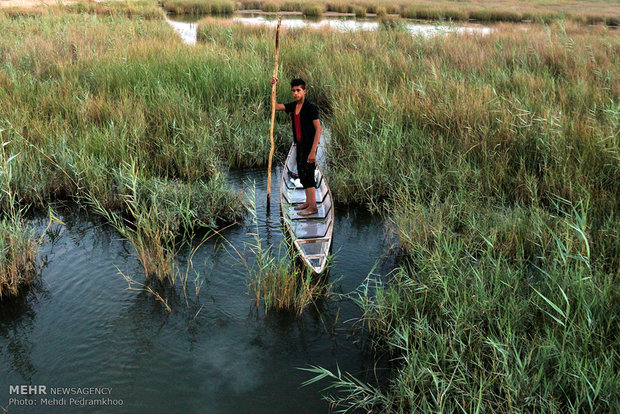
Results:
306 135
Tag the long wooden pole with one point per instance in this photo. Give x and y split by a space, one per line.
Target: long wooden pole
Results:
273 113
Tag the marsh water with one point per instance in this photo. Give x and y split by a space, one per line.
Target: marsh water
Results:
186 26
214 352
80 329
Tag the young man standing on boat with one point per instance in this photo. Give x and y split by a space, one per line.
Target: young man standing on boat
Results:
306 136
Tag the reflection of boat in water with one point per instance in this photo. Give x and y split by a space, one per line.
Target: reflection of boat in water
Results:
311 235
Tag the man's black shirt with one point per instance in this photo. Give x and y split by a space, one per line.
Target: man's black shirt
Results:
309 112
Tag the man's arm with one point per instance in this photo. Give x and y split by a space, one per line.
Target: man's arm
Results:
315 143
279 107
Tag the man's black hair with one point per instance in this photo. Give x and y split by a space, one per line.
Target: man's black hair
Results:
298 82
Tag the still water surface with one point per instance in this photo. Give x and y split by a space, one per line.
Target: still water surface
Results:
186 26
213 354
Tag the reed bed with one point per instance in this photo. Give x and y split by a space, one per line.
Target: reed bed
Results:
198 7
596 12
18 244
84 104
135 9
495 157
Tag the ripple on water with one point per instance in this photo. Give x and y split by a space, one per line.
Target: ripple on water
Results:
83 328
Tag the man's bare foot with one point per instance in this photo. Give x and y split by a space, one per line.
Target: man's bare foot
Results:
308 211
301 206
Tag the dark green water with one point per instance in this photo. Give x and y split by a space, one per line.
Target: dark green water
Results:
214 354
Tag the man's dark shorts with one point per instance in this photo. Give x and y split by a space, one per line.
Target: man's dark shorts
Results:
305 170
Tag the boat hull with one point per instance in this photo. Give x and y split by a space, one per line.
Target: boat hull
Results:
311 235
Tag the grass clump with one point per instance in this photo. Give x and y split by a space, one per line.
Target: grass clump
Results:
270 7
360 12
277 279
18 247
278 283
381 12
162 215
392 24
312 10
340 7
196 7
18 244
18 251
132 9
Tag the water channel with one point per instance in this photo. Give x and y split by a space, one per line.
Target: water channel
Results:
187 26
214 353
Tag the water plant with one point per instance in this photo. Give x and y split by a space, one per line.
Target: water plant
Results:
495 157
214 7
312 10
161 215
360 12
277 279
18 251
480 327
18 244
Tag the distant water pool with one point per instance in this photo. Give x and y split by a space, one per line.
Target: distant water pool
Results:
187 26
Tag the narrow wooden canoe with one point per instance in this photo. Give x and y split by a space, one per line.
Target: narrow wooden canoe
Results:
311 235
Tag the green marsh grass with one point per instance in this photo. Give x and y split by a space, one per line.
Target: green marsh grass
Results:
278 281
478 327
496 158
197 7
590 12
18 247
161 215
18 251
312 10
81 105
18 244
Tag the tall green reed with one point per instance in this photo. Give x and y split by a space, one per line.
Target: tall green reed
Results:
474 328
277 278
18 243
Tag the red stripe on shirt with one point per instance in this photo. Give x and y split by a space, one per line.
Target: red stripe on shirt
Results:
297 127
